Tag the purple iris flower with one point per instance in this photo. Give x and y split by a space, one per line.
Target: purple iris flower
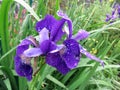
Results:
22 63
114 15
118 10
64 57
100 1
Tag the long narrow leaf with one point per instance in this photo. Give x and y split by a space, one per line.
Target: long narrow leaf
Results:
29 9
10 76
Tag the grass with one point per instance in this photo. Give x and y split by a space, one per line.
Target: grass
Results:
89 75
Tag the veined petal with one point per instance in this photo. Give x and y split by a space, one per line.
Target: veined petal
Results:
83 51
69 22
82 34
45 23
72 53
72 46
108 17
62 68
58 48
47 46
70 59
22 69
44 35
55 60
24 45
54 26
56 30
33 52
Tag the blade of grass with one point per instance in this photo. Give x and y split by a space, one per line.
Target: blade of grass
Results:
3 85
51 78
29 9
82 86
10 76
6 54
4 32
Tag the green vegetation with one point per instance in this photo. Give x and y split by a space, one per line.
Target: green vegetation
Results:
17 21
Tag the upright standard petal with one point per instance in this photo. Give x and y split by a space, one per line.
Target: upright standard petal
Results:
83 51
43 35
56 30
54 26
47 23
82 34
69 22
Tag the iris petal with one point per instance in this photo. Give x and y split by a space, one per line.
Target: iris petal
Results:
24 45
54 26
72 53
23 69
58 48
45 23
44 35
73 46
69 22
47 46
83 51
33 52
56 30
55 60
70 60
82 34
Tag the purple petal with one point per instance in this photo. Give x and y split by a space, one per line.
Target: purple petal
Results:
70 60
45 23
47 46
64 16
44 35
118 10
83 51
82 34
54 26
56 30
22 69
24 45
62 68
72 54
21 49
108 18
33 52
58 48
72 46
55 60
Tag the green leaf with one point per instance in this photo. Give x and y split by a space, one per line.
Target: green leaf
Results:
2 85
10 76
4 32
29 9
51 78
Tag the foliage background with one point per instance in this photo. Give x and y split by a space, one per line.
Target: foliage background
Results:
17 21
